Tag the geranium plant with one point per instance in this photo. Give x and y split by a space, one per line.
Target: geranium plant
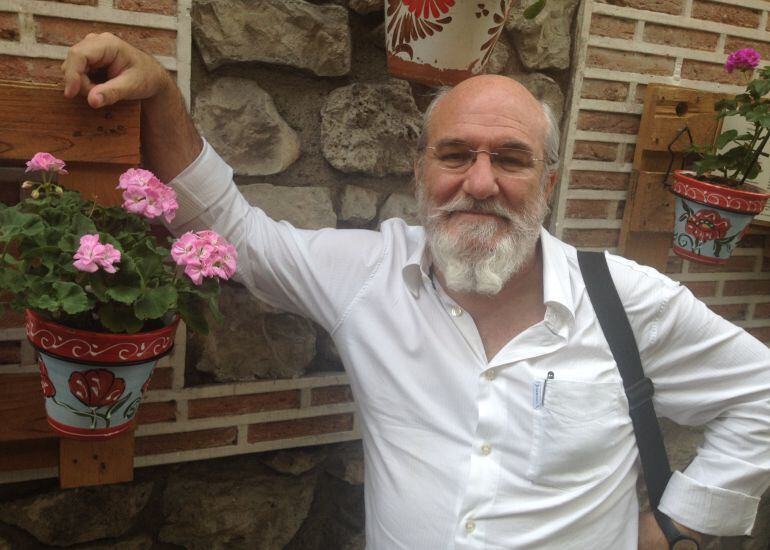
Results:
107 269
734 157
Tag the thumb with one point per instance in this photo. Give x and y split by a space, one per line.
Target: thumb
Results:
112 91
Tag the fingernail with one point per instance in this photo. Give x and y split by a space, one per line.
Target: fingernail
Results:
99 100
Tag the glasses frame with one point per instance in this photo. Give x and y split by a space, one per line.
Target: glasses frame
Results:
492 155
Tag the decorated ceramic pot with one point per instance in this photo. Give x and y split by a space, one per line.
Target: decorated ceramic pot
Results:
711 219
93 382
442 42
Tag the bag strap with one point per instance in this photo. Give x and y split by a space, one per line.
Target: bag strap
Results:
639 389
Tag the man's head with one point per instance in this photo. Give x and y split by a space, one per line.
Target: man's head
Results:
482 211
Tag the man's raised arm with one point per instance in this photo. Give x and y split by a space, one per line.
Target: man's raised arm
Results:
169 139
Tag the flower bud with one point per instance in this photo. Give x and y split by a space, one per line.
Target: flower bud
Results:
27 185
59 190
36 194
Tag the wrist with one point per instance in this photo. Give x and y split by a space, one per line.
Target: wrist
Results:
679 537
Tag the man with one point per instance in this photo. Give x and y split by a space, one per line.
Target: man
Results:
493 414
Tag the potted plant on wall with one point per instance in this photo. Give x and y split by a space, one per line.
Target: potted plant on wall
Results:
102 293
715 201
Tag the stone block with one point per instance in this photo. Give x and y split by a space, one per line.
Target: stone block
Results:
241 122
366 6
359 205
545 89
370 128
544 42
303 207
401 206
283 32
98 512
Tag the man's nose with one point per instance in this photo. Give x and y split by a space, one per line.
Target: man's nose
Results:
480 178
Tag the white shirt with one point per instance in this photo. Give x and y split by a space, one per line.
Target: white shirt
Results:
459 451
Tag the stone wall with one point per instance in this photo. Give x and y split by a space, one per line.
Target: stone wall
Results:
296 96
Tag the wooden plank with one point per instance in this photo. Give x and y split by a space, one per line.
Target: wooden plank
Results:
40 118
95 181
22 408
651 204
29 454
84 463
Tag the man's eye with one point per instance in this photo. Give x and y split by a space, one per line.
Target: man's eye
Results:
456 157
514 161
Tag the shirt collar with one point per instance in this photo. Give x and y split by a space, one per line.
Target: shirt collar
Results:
557 290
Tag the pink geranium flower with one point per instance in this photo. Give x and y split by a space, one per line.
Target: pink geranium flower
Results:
146 195
204 254
743 60
92 255
45 162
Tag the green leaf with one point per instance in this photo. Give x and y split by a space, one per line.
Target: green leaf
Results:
125 286
758 87
193 314
725 138
155 302
119 318
532 11
72 297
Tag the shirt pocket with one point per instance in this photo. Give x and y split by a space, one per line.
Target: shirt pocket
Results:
577 432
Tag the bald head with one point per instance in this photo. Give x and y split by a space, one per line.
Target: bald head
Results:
506 97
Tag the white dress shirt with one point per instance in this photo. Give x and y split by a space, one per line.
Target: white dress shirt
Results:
466 453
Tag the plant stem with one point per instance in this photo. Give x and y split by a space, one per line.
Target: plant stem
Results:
755 156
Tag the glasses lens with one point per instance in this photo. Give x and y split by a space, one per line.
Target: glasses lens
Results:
454 156
514 161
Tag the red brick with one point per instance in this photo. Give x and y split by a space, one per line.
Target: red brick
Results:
185 441
734 264
594 179
162 379
10 352
607 90
709 72
243 404
628 154
702 289
162 7
9 26
65 32
683 38
675 7
330 395
731 312
723 13
620 210
746 288
614 27
79 2
760 333
162 411
674 264
580 208
630 62
290 429
641 90
762 311
595 150
733 43
615 123
30 69
591 237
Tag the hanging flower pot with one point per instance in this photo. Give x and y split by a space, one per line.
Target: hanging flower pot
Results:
93 382
442 42
711 218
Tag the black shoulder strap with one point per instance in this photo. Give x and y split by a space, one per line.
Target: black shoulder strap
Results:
639 389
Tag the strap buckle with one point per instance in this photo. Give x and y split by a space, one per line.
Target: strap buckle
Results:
639 393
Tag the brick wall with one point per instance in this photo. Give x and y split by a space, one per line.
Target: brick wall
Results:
621 46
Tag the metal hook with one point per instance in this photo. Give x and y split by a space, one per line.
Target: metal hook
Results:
684 130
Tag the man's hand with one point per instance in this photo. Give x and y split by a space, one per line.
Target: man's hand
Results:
130 73
651 536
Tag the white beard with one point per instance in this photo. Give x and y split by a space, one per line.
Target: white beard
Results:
475 257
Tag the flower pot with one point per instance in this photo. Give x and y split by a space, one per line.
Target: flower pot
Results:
93 382
441 42
710 218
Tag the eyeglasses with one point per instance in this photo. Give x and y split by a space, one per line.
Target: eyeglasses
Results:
508 161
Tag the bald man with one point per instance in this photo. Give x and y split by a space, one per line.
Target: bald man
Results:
493 414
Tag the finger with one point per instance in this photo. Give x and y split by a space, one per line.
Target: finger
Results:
90 53
111 91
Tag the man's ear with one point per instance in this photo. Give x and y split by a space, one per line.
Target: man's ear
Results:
551 183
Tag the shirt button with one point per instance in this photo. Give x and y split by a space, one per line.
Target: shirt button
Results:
486 449
470 526
456 311
491 374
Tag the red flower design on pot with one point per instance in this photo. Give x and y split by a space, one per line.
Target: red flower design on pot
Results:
428 8
96 388
707 225
48 388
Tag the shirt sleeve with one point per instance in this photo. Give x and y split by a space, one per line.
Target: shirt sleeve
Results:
706 371
316 274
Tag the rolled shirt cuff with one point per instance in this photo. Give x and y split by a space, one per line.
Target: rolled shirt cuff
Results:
706 509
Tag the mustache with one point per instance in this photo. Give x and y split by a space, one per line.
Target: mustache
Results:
469 204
